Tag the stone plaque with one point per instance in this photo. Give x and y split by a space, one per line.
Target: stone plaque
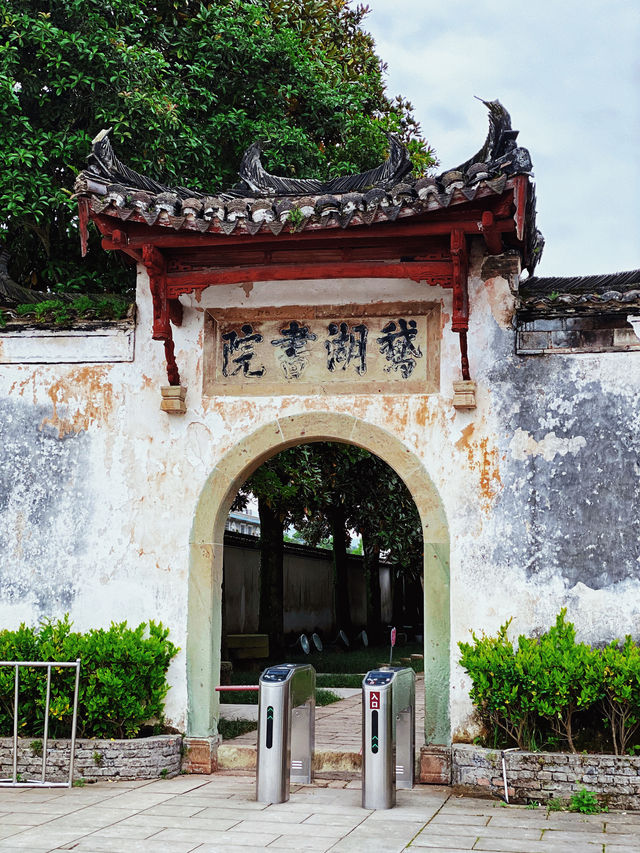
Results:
365 349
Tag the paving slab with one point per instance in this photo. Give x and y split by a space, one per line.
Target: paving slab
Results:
443 842
198 814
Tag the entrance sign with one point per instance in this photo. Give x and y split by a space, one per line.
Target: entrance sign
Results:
374 700
393 349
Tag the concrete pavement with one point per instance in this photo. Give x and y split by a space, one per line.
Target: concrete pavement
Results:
219 814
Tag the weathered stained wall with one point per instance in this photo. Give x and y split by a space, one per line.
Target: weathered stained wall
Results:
539 484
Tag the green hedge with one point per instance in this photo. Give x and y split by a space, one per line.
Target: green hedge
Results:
549 690
122 679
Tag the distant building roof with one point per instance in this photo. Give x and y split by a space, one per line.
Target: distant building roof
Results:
613 292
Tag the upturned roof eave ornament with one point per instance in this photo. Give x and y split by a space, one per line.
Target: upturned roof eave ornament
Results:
261 183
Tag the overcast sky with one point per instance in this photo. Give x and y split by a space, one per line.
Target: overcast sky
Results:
569 74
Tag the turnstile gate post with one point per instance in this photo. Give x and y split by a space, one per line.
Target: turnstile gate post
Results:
286 730
388 735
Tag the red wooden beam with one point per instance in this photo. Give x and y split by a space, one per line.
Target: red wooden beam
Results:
83 222
435 272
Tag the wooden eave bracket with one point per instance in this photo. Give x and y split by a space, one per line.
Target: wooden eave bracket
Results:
460 319
165 311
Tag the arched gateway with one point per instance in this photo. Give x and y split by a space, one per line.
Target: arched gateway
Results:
207 536
361 309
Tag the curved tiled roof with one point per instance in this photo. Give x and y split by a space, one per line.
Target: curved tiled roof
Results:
264 202
611 291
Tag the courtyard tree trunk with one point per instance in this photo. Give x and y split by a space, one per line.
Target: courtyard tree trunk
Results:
342 609
371 562
271 618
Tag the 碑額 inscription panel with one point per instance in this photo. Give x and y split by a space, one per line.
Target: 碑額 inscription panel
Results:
386 348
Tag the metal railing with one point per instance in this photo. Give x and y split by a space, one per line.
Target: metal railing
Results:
42 783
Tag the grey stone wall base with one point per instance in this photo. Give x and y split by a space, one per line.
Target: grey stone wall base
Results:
542 776
144 758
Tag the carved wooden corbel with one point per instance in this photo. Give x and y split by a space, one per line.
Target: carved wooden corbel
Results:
460 320
163 311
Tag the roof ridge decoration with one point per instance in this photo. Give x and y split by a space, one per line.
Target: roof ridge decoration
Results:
499 156
259 182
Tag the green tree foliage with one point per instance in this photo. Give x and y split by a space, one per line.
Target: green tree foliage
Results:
122 679
186 87
326 489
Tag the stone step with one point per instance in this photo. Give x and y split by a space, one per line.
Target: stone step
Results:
244 756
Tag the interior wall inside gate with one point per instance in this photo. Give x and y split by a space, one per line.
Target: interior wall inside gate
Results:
206 558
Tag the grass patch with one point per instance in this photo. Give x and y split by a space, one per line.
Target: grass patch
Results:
326 697
358 660
340 679
250 697
228 729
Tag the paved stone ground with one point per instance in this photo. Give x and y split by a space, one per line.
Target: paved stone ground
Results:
219 814
339 726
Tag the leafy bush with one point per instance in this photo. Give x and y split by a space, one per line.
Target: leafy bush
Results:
62 312
122 678
621 683
503 688
534 692
568 677
585 802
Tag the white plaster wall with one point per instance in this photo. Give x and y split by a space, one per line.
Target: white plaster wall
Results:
116 537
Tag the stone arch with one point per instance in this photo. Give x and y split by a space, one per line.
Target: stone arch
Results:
207 543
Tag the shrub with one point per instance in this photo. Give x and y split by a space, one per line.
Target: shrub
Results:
122 678
62 312
567 677
501 684
585 802
621 687
534 691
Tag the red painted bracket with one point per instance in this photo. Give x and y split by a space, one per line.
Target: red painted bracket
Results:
156 267
460 319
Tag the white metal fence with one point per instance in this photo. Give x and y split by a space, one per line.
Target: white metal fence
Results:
14 782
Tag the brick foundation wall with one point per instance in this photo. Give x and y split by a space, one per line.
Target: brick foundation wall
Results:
144 758
543 775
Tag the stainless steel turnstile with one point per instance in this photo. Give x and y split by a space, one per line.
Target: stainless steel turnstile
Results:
286 730
388 735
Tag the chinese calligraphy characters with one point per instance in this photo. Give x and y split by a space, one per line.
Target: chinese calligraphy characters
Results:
397 345
345 345
293 355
